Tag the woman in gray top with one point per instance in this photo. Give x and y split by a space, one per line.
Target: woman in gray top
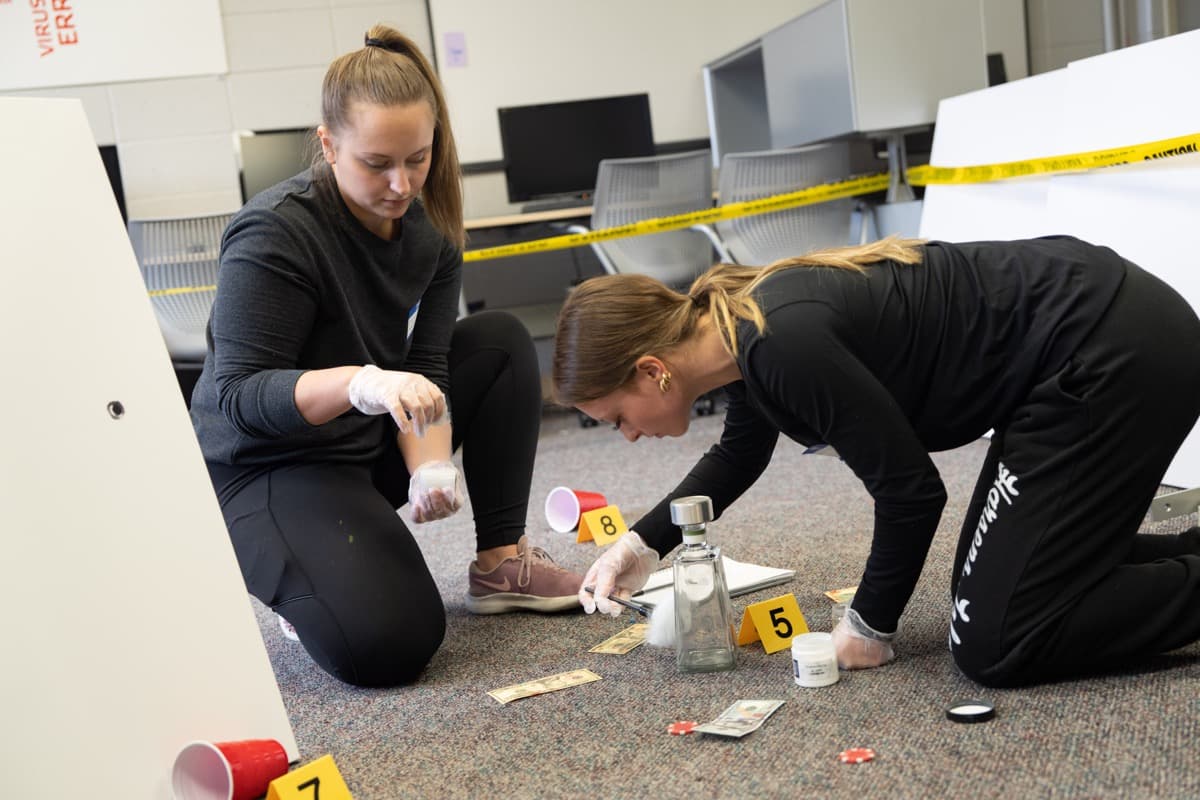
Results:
334 366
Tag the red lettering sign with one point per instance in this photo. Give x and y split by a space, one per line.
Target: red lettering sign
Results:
62 33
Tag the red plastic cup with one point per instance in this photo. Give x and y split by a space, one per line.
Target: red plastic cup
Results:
227 770
565 506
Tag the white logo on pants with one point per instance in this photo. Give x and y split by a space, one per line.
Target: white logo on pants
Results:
1003 488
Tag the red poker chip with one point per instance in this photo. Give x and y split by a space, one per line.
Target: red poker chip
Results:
681 728
856 755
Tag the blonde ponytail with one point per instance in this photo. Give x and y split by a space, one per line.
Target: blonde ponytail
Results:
727 289
609 322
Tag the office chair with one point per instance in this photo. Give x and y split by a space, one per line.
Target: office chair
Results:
178 259
634 189
763 238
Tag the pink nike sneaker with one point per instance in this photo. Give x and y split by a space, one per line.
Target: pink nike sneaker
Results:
529 581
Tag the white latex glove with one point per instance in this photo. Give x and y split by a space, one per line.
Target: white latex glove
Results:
623 568
858 645
435 491
413 400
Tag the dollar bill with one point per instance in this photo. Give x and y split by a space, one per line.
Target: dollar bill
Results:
551 683
741 718
623 642
842 595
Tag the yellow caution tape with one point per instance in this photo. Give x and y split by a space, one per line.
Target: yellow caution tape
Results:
181 290
1149 151
779 202
916 176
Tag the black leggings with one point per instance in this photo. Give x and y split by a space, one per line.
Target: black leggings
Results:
322 543
1051 578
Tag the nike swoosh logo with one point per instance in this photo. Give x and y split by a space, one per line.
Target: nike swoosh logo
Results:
499 587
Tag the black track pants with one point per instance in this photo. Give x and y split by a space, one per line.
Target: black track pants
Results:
322 544
1051 578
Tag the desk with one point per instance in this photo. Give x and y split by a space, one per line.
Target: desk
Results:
536 217
531 286
535 283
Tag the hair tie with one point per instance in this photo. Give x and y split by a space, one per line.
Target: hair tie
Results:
382 45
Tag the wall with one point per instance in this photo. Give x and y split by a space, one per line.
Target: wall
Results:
176 139
1004 32
1062 31
554 50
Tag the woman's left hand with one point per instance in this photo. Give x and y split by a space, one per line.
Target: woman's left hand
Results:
435 491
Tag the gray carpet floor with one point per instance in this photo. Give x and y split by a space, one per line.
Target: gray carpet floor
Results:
1132 734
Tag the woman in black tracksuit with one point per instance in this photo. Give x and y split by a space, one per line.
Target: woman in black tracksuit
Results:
1086 366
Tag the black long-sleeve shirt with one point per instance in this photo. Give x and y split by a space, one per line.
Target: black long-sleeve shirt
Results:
304 285
889 366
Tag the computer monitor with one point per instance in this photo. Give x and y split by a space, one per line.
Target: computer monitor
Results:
553 149
269 157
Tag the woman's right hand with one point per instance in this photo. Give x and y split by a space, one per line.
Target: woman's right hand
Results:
413 400
624 568
858 645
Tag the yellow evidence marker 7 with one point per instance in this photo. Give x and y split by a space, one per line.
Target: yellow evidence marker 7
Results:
316 780
775 622
604 525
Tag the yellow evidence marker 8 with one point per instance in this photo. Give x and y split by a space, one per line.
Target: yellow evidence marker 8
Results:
774 622
316 780
603 525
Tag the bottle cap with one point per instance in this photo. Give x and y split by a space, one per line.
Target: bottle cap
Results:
970 711
692 510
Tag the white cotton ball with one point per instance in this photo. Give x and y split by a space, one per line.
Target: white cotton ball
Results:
661 632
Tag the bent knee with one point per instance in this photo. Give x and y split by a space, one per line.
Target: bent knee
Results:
379 652
494 329
387 657
990 664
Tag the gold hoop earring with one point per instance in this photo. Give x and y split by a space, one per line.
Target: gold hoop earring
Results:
664 382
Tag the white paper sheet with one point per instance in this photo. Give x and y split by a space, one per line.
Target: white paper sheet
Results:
742 578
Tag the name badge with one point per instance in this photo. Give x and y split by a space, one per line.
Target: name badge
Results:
412 319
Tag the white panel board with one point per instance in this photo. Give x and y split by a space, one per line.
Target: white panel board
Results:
128 629
1008 122
75 42
1136 94
1145 211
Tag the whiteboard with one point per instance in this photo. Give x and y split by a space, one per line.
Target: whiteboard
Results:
128 631
1144 211
74 42
498 54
